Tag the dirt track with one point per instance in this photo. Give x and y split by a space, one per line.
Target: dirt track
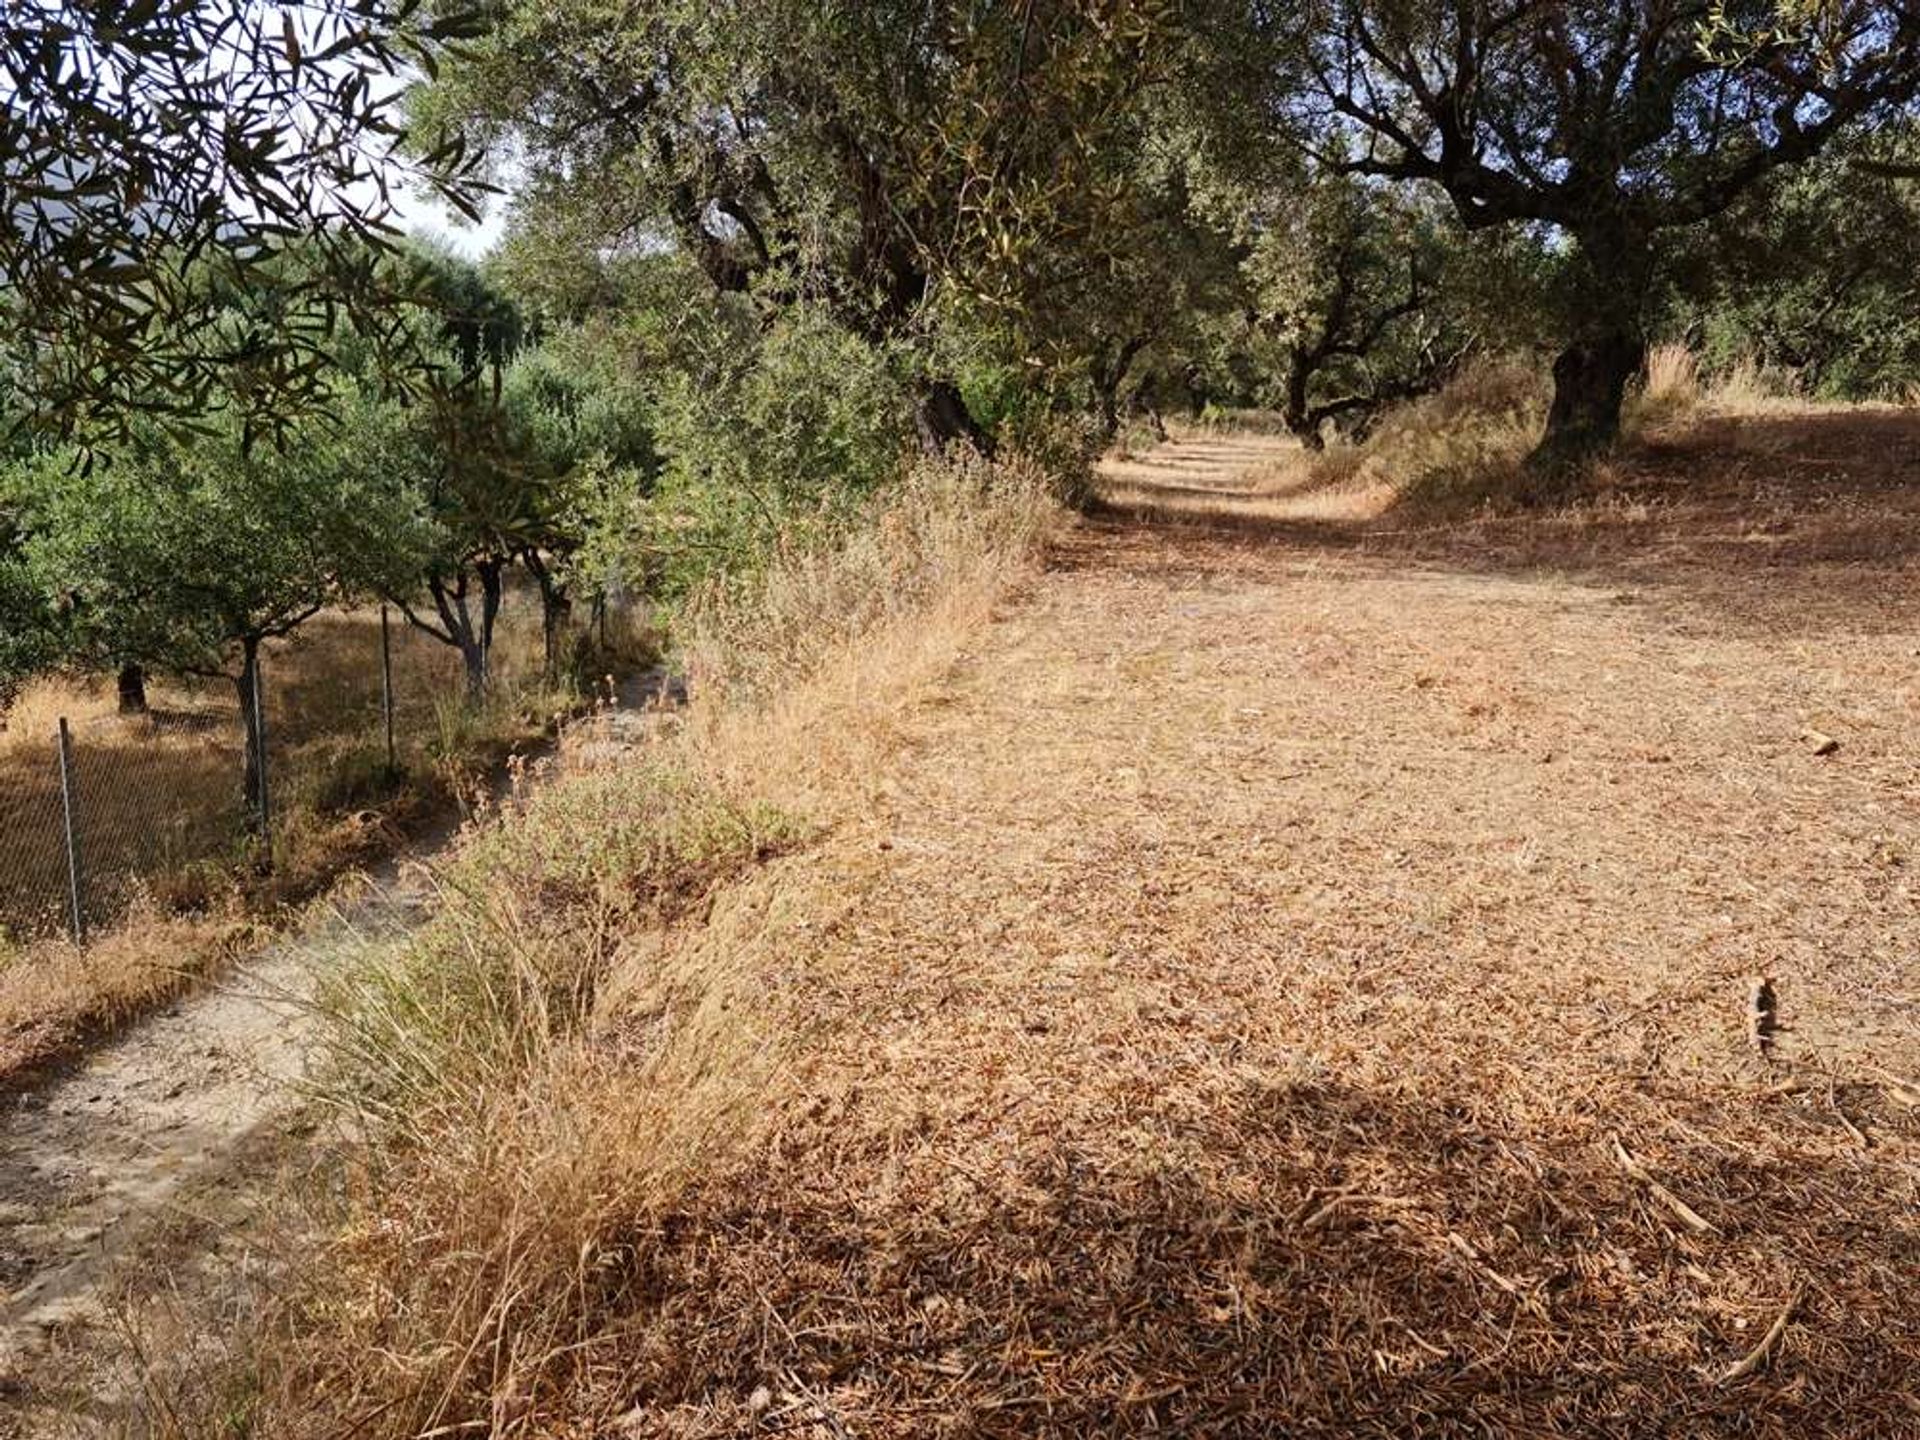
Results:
139 1145
1296 981
130 1165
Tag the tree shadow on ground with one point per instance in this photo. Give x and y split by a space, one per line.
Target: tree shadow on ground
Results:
1297 1259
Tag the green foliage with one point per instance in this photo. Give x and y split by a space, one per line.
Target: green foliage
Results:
767 434
155 158
30 634
1347 284
1816 274
177 550
884 164
567 409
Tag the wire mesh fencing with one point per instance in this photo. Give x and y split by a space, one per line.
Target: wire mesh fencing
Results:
100 810
103 806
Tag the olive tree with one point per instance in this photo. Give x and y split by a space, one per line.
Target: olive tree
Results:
1612 123
1348 293
146 147
189 553
874 160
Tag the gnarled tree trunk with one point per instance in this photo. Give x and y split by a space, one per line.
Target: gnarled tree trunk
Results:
941 416
1107 373
132 685
1296 413
1590 380
1613 271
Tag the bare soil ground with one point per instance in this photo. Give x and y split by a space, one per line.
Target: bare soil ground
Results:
147 1151
1296 981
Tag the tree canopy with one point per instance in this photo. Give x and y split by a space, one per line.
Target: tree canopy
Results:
1611 122
157 153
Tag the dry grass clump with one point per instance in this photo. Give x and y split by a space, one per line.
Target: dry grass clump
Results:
1677 388
1751 388
544 1070
942 527
532 912
54 995
1670 391
1463 446
1470 444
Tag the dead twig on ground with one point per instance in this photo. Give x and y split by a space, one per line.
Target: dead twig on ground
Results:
1692 1218
1760 1353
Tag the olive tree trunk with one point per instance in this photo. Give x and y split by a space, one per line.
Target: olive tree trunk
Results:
941 417
1590 379
469 633
1613 272
132 685
1296 413
253 779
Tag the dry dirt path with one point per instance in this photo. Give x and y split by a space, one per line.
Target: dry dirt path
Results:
143 1153
139 1145
1295 980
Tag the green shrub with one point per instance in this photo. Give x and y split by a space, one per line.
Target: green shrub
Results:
775 435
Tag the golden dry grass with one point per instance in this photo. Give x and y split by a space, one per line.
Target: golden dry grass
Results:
518 1119
1280 977
172 890
54 994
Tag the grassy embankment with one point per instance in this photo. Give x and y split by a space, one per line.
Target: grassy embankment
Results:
546 1067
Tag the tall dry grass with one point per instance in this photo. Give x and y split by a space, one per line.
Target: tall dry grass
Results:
1456 448
1671 390
1677 387
542 1070
1465 448
175 882
932 537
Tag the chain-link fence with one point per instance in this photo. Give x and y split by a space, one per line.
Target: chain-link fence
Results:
99 809
102 805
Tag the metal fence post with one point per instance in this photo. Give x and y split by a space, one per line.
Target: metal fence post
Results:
76 893
260 759
386 688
